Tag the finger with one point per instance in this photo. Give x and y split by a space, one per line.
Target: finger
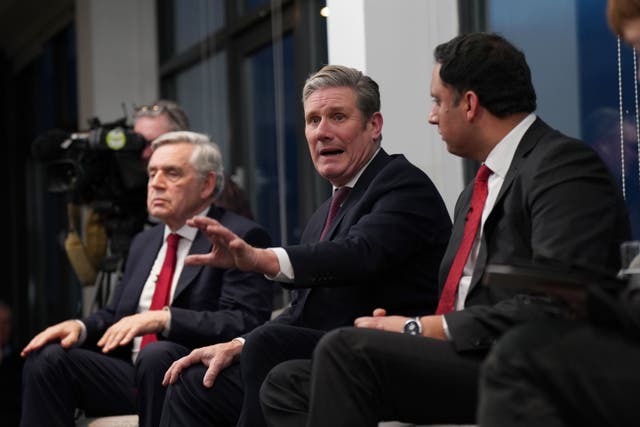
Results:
361 321
212 373
201 221
379 312
222 234
69 340
172 374
197 259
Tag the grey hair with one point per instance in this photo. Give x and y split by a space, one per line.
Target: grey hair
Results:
205 158
366 89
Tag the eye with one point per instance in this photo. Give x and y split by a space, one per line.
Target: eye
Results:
339 117
313 120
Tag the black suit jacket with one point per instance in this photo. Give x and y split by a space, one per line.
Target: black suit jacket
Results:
383 249
558 205
209 305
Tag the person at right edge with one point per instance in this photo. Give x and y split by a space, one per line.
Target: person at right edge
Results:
558 373
550 201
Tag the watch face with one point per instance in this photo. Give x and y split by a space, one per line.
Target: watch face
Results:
412 327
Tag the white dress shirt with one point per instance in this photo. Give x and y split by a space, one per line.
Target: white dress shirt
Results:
499 161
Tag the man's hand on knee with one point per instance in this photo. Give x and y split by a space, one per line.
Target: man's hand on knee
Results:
214 357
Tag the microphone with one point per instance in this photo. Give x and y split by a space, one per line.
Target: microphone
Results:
50 145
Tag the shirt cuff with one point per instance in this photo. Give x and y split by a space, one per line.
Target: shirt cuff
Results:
445 327
167 326
240 339
83 333
285 274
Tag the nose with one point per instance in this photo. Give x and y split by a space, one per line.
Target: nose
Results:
432 117
323 130
156 180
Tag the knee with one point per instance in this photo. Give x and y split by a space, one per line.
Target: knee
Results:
338 342
283 381
42 361
263 338
277 379
156 357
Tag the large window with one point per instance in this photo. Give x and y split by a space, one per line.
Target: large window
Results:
238 68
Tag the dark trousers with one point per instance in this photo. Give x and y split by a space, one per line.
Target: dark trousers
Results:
234 397
358 377
56 381
561 373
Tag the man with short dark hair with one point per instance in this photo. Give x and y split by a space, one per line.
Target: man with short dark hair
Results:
539 197
573 373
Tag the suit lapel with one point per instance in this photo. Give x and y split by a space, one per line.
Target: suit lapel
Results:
378 162
201 245
142 269
535 132
528 142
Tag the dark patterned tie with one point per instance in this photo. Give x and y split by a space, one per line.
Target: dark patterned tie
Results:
338 199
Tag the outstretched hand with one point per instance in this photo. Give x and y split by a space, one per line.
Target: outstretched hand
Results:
228 249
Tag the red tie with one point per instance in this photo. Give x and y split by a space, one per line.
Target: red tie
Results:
448 296
163 284
336 202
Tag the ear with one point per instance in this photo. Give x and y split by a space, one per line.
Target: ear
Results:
208 185
472 104
376 124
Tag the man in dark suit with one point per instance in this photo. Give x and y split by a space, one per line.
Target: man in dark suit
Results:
383 246
573 372
549 199
103 363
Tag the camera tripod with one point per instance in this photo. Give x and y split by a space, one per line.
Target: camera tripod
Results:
107 278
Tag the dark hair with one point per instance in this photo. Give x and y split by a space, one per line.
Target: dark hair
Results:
490 66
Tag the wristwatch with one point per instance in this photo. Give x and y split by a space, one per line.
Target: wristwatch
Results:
413 326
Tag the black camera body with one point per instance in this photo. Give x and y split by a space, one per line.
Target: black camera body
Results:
102 168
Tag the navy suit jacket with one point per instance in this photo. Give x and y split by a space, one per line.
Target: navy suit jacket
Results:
210 305
383 249
558 206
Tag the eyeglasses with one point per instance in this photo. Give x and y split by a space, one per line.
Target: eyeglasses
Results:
150 110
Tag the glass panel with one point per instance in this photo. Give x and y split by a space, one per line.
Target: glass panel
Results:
274 199
247 6
202 92
582 100
193 20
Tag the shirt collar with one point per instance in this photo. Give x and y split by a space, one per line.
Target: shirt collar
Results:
186 232
499 159
354 180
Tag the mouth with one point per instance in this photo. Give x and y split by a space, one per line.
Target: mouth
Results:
328 152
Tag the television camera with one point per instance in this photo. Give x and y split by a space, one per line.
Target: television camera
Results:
103 169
